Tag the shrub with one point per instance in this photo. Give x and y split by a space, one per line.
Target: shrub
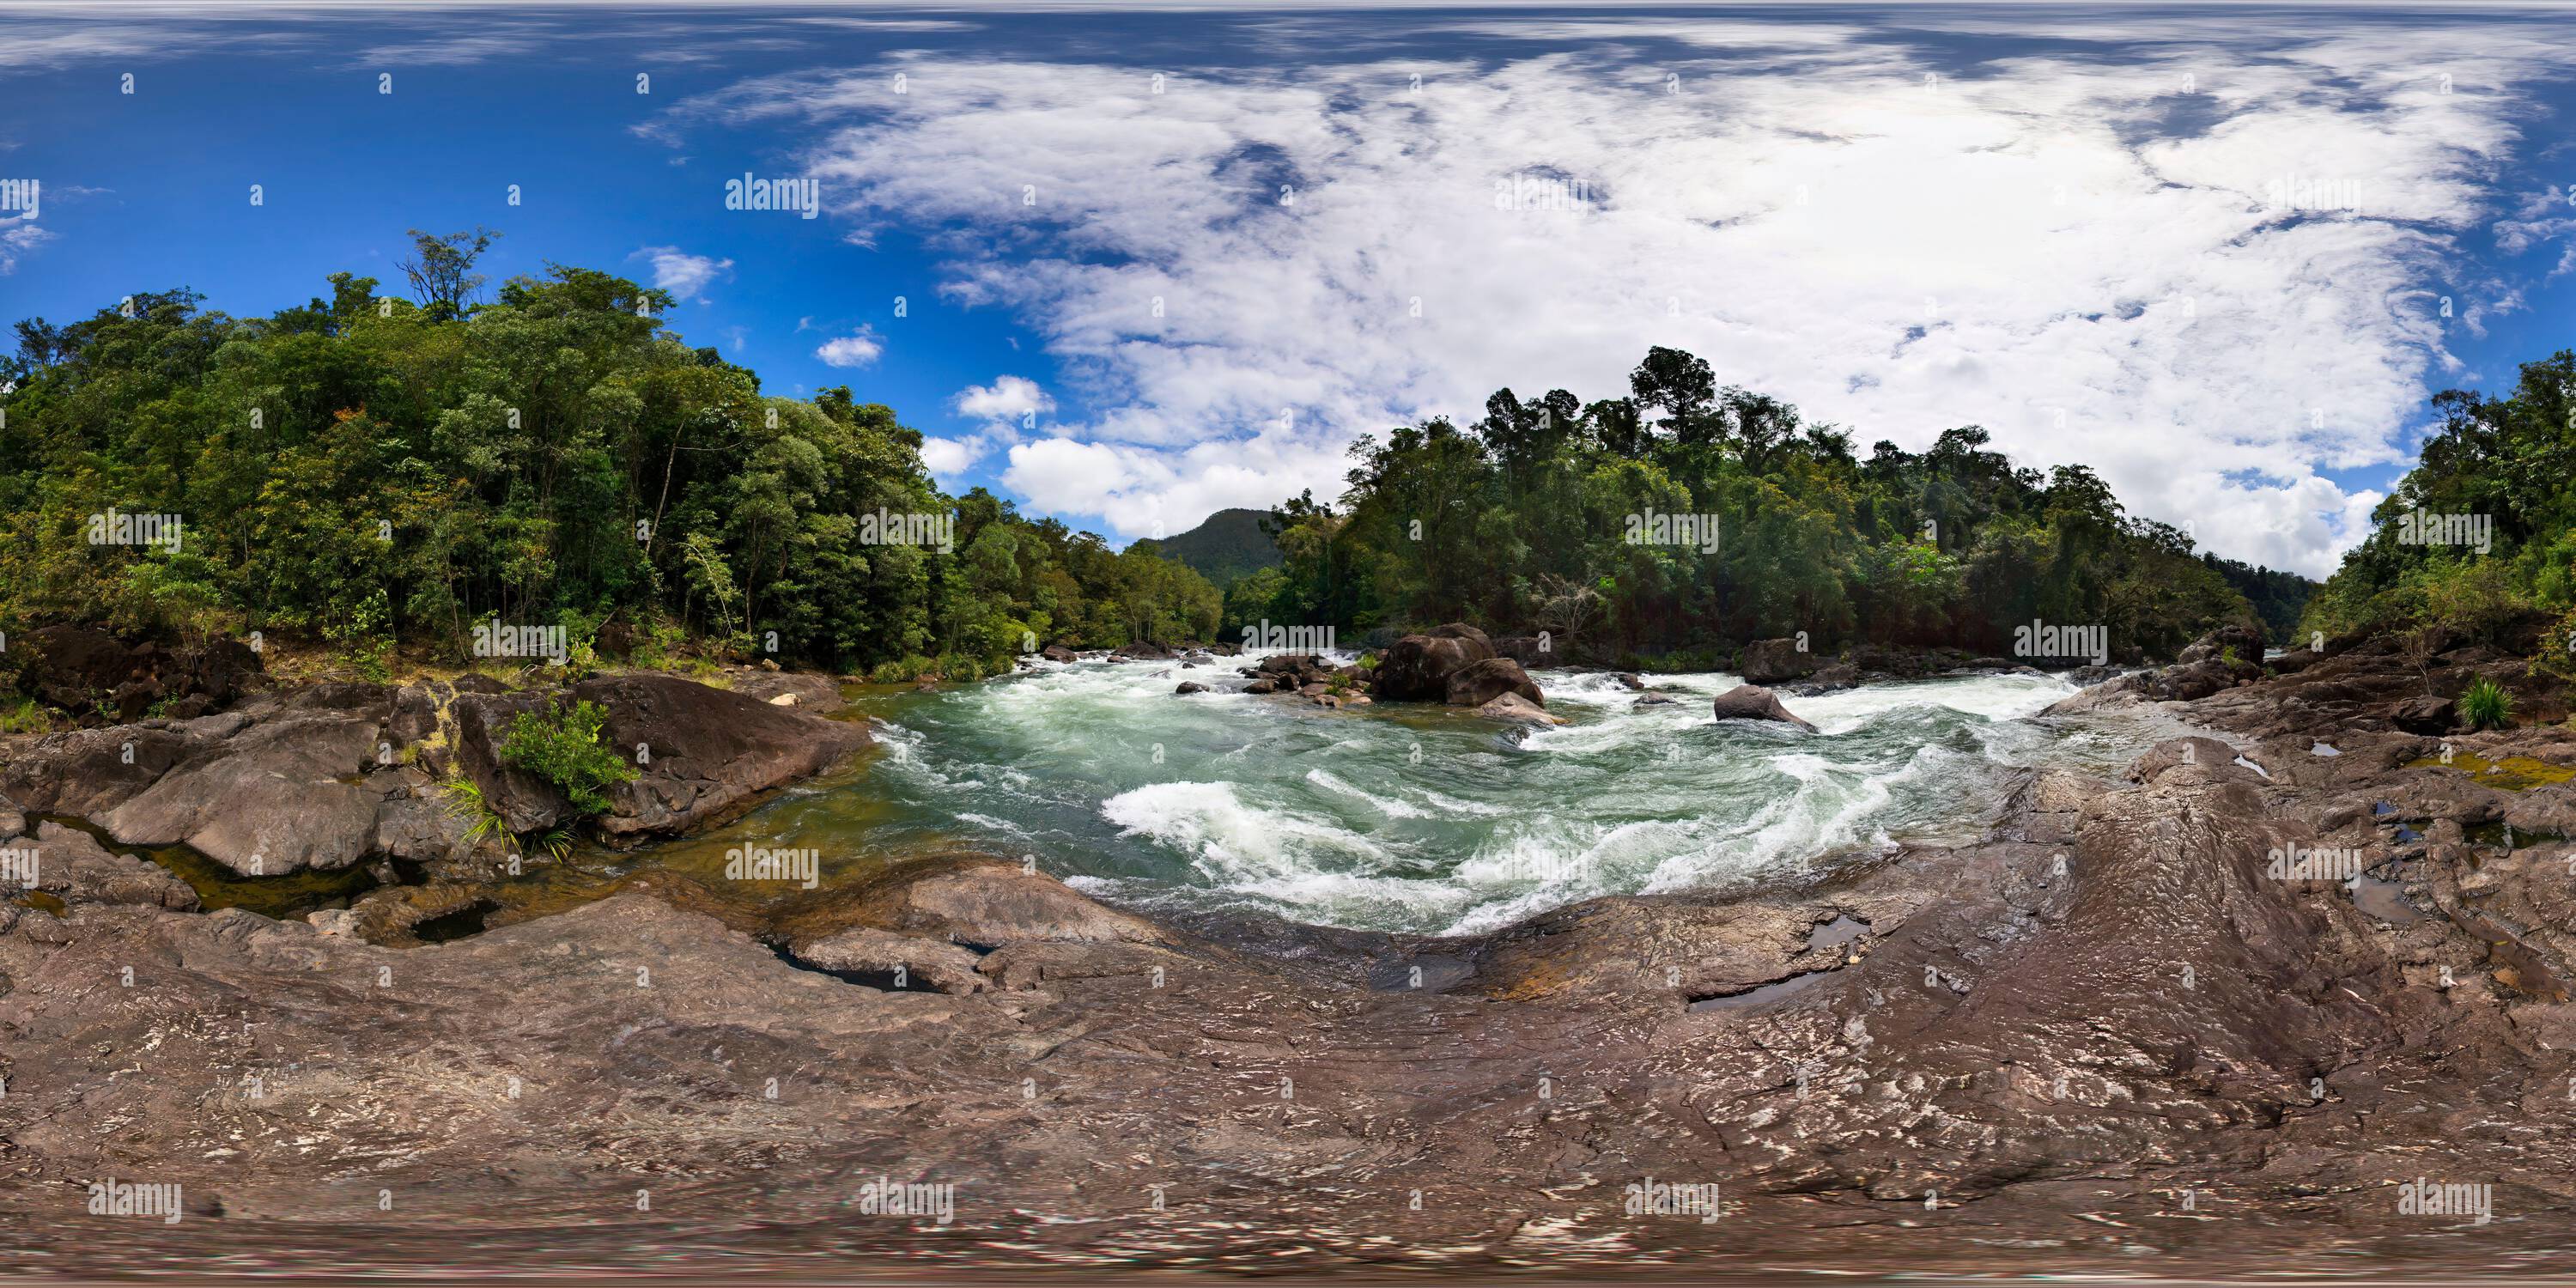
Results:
2486 705
561 745
26 717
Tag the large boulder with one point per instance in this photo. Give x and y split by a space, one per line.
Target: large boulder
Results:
710 752
1772 661
1753 702
1417 668
273 799
1478 683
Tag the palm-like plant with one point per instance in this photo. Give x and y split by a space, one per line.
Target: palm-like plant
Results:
2486 705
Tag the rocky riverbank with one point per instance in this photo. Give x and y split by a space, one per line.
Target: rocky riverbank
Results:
2146 1026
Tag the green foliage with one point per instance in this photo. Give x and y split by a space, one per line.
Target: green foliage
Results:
2278 598
363 469
466 801
1536 518
2508 461
561 745
2486 705
28 716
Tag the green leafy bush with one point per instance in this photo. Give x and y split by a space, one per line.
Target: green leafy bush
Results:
561 745
2486 705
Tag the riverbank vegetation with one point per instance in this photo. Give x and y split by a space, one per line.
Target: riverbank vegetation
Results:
1543 516
366 470
2478 541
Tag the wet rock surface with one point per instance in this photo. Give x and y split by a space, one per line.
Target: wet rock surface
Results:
2145 1027
1753 702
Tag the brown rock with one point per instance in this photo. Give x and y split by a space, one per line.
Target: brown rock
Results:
1478 683
1752 702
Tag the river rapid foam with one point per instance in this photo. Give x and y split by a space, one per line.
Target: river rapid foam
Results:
1423 819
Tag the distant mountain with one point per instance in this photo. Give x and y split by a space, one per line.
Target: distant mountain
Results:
1229 545
2278 597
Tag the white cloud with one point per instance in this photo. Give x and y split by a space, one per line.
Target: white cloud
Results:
1007 399
950 457
856 350
2210 297
682 274
17 237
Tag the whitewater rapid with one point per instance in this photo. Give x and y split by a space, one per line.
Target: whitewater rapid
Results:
1424 819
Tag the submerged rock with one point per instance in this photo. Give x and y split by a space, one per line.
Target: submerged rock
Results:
1514 707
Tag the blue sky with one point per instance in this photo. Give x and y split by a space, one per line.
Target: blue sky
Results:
1164 261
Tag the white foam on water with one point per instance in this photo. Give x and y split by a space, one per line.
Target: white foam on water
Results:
1227 838
1332 817
1384 805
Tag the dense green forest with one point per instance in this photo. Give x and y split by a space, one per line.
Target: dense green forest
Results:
2278 597
2499 473
1531 518
367 469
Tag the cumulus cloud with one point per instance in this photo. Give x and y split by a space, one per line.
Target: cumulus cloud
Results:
2208 266
682 274
950 457
856 350
1007 399
17 237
